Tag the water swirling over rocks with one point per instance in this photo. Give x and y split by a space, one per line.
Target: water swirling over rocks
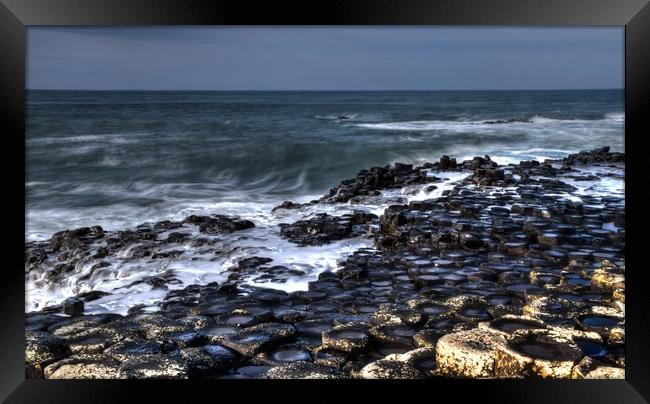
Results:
456 269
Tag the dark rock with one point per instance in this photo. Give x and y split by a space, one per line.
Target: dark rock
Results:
252 340
207 359
73 306
287 205
320 229
41 349
75 239
304 370
94 366
124 350
216 224
152 367
346 339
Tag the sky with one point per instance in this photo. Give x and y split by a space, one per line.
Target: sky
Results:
324 58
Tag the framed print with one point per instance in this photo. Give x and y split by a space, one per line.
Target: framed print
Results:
365 196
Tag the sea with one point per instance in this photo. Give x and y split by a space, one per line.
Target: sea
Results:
120 159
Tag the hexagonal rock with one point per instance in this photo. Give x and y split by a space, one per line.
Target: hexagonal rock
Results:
83 367
468 353
283 355
553 354
481 353
389 369
77 326
304 370
252 340
125 350
393 333
41 349
208 358
606 372
548 307
607 280
346 339
330 357
156 325
94 343
422 359
426 338
511 324
152 367
385 315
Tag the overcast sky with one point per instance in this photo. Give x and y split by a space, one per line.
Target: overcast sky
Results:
334 58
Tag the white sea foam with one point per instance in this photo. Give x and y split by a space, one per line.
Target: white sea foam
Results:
616 116
484 125
110 138
123 278
193 267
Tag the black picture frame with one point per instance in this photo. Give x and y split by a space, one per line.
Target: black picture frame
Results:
15 15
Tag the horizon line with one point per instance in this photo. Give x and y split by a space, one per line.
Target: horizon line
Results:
321 90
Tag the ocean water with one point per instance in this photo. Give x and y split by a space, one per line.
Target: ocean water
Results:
118 159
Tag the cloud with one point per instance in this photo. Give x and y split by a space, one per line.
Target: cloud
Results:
327 58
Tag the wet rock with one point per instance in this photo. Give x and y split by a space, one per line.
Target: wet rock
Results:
73 307
156 326
553 355
176 237
285 354
291 315
207 359
41 322
252 340
152 367
370 182
304 370
215 333
92 295
387 314
399 334
185 339
217 224
169 253
428 338
320 229
287 205
598 323
330 357
195 322
389 369
124 350
167 225
361 217
347 339
83 367
252 262
510 324
41 349
75 239
92 341
34 257
531 281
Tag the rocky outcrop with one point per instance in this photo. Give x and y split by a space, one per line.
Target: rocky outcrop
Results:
510 274
323 228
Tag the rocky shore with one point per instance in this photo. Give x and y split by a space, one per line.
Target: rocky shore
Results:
516 271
